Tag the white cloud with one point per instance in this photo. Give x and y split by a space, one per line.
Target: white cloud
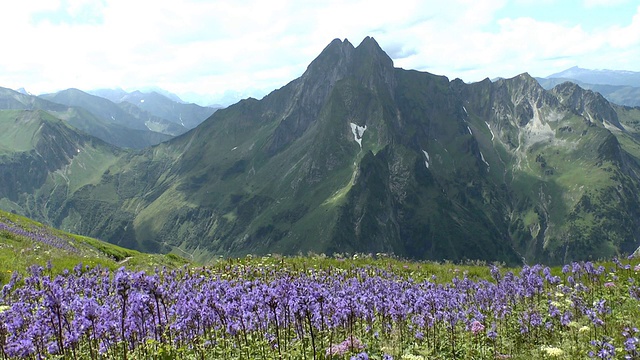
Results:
596 3
252 47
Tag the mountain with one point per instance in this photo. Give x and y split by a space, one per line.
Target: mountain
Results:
80 118
23 91
162 92
359 156
187 115
622 95
105 109
617 86
42 157
113 95
160 104
600 77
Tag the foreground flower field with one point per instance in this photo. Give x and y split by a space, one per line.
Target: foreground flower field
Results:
257 309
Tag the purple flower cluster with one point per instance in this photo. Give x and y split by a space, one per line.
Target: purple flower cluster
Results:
248 311
37 234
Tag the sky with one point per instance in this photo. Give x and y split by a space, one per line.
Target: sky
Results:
221 51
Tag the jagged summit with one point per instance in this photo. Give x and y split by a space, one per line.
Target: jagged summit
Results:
341 56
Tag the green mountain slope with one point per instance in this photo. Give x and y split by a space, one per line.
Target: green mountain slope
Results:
356 155
43 161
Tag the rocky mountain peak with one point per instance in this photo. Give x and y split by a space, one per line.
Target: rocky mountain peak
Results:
593 106
526 96
367 64
332 61
340 59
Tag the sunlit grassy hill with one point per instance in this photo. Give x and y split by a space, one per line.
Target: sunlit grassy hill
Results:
24 242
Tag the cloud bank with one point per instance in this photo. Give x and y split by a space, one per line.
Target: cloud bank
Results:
248 48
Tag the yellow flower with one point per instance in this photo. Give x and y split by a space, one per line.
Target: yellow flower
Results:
412 357
552 351
583 329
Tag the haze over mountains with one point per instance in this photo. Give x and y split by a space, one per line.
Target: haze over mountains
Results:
129 123
353 156
618 86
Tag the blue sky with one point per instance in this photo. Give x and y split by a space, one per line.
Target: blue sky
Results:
220 51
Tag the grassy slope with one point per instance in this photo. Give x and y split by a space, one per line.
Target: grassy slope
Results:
18 252
35 137
19 129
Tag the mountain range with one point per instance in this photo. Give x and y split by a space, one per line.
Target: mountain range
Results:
618 86
353 156
127 124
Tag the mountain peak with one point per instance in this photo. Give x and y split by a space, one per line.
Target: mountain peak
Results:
368 41
367 65
371 48
335 50
340 54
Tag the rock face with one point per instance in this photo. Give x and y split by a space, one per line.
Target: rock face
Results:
359 156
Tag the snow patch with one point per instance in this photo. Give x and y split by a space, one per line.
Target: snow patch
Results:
491 131
610 127
78 151
484 161
234 148
465 110
142 100
358 132
426 155
468 128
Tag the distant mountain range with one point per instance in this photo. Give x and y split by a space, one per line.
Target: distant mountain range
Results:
353 156
126 124
157 104
600 77
618 86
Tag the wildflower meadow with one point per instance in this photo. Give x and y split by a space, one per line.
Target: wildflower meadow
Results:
275 309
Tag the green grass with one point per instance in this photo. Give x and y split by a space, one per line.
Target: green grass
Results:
21 127
17 252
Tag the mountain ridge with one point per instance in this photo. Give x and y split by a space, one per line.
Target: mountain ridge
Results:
618 86
160 104
600 77
359 156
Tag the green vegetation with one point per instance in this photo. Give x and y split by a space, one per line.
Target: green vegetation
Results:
24 242
319 307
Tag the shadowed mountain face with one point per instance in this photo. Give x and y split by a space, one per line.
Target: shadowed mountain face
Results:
359 156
